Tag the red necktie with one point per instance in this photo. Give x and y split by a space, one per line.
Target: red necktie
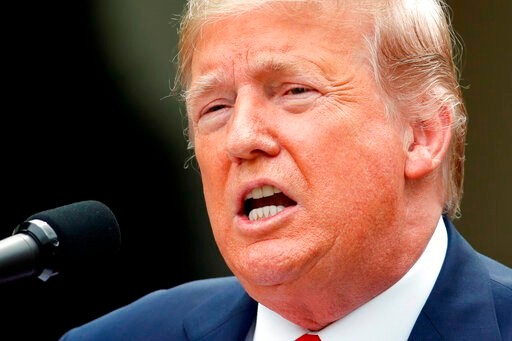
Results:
309 337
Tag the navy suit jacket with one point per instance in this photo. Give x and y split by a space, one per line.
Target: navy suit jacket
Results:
471 300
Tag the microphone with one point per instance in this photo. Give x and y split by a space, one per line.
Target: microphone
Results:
56 240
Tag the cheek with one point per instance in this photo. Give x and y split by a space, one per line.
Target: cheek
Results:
210 158
213 168
354 171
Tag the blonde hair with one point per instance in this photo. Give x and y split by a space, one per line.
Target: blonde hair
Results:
413 50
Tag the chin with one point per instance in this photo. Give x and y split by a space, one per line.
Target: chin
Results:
265 277
270 263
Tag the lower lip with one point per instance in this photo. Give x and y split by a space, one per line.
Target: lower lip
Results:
265 225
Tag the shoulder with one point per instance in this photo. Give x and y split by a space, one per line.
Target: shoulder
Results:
498 271
195 292
189 296
501 285
160 313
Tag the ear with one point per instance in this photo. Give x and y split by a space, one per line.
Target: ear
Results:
429 144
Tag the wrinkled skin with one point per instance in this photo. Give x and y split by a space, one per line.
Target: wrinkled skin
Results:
288 99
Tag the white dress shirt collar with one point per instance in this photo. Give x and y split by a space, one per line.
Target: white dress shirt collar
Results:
389 316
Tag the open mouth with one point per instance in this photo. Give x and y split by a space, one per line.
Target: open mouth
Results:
264 202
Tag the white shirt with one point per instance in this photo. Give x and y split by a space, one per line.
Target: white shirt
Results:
389 316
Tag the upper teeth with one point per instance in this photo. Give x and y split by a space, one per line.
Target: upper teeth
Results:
263 191
266 211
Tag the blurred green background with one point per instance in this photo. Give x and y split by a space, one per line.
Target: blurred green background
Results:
87 115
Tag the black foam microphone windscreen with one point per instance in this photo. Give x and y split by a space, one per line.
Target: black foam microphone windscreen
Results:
73 237
85 230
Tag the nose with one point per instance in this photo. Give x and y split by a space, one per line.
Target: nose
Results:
251 132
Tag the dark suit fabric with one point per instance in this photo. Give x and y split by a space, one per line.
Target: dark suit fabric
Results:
471 300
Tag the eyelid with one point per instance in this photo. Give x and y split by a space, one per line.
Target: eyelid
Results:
288 88
220 104
215 106
302 90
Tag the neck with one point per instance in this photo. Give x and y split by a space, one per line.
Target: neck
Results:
315 300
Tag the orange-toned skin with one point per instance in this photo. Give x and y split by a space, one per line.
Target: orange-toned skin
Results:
289 99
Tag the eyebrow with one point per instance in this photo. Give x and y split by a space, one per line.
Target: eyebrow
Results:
215 78
282 66
204 84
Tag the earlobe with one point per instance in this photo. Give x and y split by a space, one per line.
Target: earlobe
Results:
429 142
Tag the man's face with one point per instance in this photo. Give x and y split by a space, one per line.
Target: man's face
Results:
284 104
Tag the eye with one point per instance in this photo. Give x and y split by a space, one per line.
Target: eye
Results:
296 97
213 116
297 90
214 108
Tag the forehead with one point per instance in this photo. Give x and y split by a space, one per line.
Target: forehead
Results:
271 36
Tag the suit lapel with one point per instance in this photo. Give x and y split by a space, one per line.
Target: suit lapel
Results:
460 306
